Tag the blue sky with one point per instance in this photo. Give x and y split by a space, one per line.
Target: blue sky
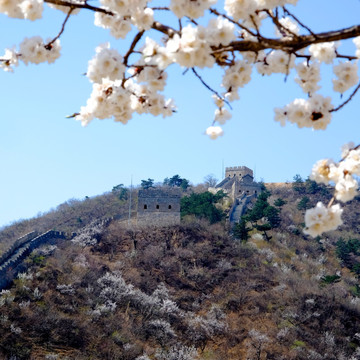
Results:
47 159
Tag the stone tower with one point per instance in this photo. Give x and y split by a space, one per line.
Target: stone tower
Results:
238 171
158 207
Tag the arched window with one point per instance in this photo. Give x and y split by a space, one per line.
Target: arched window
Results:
145 207
169 207
157 206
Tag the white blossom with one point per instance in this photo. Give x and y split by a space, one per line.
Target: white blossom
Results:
9 60
324 52
107 63
321 219
143 19
322 172
11 8
34 50
289 28
356 41
221 31
32 9
347 76
222 115
346 188
190 8
313 112
240 9
214 132
237 75
118 25
277 61
351 163
308 76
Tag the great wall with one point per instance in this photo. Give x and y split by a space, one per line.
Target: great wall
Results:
155 207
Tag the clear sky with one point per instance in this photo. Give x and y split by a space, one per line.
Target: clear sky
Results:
46 159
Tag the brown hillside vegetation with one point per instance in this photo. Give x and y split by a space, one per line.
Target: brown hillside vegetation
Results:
188 292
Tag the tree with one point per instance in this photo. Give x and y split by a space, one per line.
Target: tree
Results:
235 38
298 185
147 184
120 191
210 180
279 202
303 203
203 206
241 231
177 181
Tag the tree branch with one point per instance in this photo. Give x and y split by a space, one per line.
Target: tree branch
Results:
287 12
167 30
132 46
83 5
48 45
294 44
209 88
214 11
347 101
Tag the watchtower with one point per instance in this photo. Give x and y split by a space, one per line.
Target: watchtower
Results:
158 207
238 171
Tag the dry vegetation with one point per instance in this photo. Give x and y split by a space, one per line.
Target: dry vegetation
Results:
187 292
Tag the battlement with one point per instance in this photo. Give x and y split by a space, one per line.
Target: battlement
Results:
238 171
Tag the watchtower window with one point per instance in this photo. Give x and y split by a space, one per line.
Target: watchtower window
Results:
169 207
145 207
158 206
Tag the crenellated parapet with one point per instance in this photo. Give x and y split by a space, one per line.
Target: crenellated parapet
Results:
238 171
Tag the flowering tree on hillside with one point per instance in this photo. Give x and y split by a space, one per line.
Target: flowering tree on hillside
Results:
233 35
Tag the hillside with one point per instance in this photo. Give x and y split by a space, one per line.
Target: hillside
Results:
186 292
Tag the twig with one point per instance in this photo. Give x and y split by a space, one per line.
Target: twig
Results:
214 11
48 46
209 88
84 5
347 101
160 8
286 11
132 46
284 30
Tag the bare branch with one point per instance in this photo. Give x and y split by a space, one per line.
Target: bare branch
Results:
209 88
83 5
287 12
49 45
294 44
132 46
167 30
160 8
347 101
214 11
284 30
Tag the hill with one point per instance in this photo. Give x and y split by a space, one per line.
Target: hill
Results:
186 292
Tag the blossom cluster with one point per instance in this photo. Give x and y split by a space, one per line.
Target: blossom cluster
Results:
321 219
31 50
22 9
343 175
121 88
314 112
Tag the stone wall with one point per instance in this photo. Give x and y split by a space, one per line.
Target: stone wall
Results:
238 171
158 207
